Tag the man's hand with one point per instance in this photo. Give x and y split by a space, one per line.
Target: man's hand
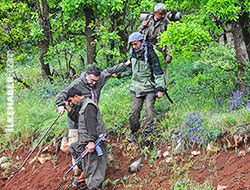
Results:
159 94
128 62
68 108
60 110
168 60
114 75
91 147
145 23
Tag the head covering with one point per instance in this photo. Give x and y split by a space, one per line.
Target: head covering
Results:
137 36
159 7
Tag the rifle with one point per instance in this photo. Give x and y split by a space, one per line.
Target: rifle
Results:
98 149
166 93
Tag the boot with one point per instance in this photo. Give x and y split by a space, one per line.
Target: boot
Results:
79 181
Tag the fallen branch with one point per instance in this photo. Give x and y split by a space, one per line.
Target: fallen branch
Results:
21 81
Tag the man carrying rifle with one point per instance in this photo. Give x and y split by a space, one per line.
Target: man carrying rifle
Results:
147 82
90 83
90 127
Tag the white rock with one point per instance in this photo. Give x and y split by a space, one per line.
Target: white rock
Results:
165 154
42 160
158 155
169 159
5 165
178 149
135 165
220 187
195 153
3 159
110 158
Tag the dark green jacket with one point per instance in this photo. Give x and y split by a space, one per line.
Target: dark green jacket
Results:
147 76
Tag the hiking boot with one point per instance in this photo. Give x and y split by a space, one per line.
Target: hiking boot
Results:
79 180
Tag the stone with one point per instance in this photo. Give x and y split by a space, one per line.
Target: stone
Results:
135 165
42 160
195 153
165 154
221 187
178 149
3 159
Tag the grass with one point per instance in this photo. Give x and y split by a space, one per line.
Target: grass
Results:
35 111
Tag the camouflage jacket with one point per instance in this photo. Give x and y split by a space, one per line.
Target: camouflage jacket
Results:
153 30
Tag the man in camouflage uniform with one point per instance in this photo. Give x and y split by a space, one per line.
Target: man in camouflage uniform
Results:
90 127
90 83
153 26
147 81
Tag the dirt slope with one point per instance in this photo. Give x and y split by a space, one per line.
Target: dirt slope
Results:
229 169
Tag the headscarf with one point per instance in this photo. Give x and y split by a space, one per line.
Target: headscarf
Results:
137 36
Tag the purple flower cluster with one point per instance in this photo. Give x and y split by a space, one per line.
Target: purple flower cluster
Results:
238 100
192 132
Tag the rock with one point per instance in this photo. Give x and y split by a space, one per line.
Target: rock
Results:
5 165
195 153
165 154
158 155
110 158
178 149
135 165
33 160
45 149
64 145
3 159
220 187
169 159
42 160
243 152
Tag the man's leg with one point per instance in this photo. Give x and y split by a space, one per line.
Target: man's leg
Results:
149 117
73 137
135 113
95 169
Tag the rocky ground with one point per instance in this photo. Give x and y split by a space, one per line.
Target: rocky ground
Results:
221 168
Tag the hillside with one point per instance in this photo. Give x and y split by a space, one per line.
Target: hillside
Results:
226 169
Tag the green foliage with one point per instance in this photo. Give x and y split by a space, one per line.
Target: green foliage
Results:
189 39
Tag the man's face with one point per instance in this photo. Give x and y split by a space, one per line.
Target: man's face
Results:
92 79
136 45
160 14
73 100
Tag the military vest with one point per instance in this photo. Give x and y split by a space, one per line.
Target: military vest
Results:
83 131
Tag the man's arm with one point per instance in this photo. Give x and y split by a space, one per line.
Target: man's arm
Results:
115 69
91 124
157 72
62 95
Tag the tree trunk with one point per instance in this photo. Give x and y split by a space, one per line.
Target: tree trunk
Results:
244 23
240 55
89 31
44 42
